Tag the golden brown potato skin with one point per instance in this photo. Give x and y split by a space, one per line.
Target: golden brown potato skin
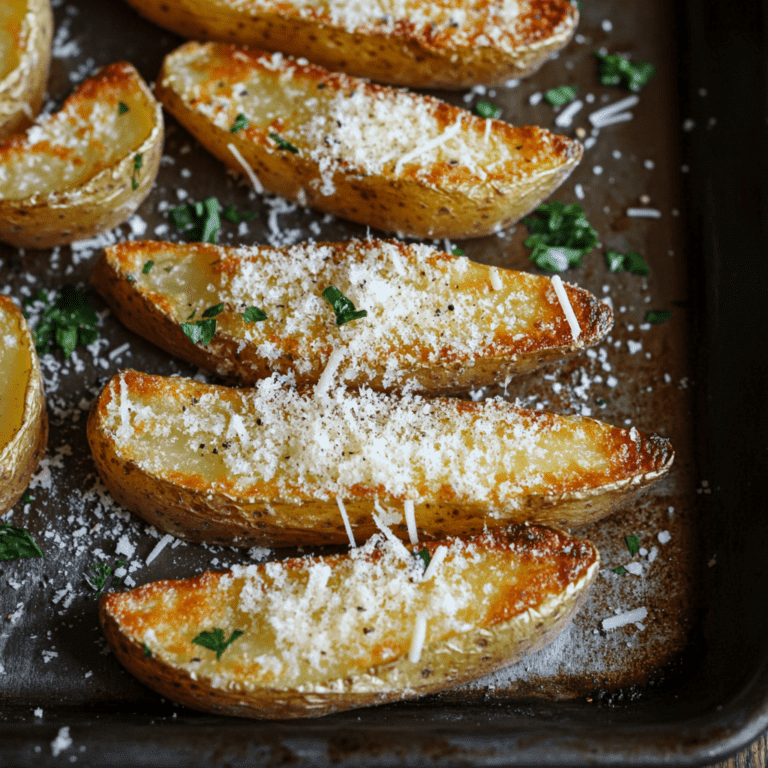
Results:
19 457
22 89
550 599
185 504
443 201
404 53
150 315
108 197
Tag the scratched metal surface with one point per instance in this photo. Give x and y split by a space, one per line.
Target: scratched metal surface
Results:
644 375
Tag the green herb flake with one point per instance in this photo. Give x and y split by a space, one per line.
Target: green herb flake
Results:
599 401
241 121
658 316
138 162
213 311
342 306
215 641
147 651
68 321
457 252
17 544
199 221
633 544
617 70
201 331
122 108
131 279
487 109
230 214
560 236
283 144
627 262
98 580
621 570
194 312
563 94
147 267
254 315
425 556
27 498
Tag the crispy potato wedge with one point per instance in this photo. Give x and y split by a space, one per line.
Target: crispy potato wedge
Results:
84 169
327 141
272 466
435 322
323 634
23 418
450 44
26 29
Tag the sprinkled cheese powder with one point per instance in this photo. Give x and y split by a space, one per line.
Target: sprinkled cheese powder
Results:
565 303
418 638
345 518
249 172
410 520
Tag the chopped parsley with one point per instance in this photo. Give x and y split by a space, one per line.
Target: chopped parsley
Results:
215 641
122 108
657 316
147 267
241 121
147 651
627 262
283 144
621 570
254 315
342 306
633 544
457 252
425 556
201 331
98 580
487 109
560 236
230 214
213 311
563 94
17 544
137 164
67 322
27 498
617 70
199 221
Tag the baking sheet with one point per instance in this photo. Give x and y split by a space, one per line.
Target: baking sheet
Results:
53 657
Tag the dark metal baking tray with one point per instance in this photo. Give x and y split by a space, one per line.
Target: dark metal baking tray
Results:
689 687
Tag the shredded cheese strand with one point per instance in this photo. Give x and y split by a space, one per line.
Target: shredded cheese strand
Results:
447 134
612 109
347 526
255 183
565 303
331 366
435 562
418 638
410 521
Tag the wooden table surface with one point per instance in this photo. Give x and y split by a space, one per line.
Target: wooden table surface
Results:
754 756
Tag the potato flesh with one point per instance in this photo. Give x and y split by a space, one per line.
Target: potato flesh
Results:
11 16
423 306
16 367
312 621
344 123
66 150
272 443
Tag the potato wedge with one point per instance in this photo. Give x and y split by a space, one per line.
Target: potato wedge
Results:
449 44
272 466
324 634
329 141
84 169
435 323
23 418
26 29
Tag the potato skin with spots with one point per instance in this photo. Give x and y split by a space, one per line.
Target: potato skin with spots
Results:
527 616
204 505
443 200
406 52
111 191
21 453
30 24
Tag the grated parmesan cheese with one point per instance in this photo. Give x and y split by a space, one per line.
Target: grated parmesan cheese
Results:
345 518
418 638
410 520
249 172
565 303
